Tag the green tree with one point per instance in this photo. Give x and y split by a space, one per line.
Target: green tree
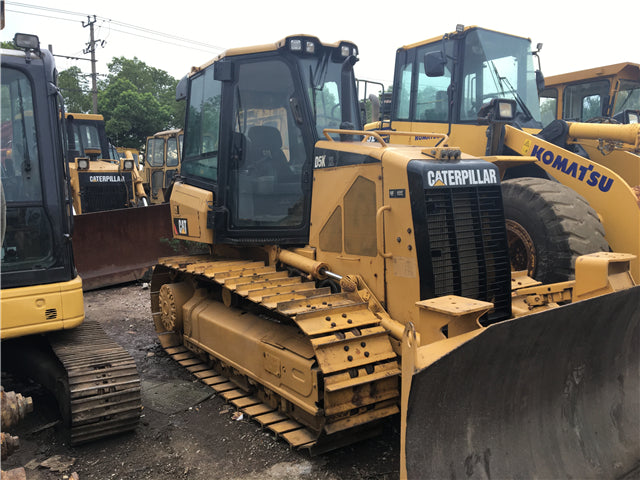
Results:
76 90
147 79
131 114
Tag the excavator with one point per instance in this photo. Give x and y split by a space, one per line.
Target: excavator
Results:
480 87
45 335
162 163
351 281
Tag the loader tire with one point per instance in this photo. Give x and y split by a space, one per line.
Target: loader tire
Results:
548 227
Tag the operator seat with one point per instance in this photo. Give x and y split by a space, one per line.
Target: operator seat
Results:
266 157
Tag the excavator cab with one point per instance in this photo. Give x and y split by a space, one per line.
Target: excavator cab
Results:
36 227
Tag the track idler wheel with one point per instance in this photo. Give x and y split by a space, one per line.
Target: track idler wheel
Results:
172 297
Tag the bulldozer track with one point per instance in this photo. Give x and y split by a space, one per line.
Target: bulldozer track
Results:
103 386
359 369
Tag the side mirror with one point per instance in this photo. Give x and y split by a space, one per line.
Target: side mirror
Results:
434 63
182 89
539 81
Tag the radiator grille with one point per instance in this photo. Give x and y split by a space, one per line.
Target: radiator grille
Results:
468 246
50 314
100 196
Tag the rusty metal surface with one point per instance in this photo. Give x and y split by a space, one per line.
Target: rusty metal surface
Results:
549 395
8 444
14 407
119 246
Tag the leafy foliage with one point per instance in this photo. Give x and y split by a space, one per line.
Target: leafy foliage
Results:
136 100
75 90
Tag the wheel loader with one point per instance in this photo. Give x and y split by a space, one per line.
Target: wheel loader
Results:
162 163
480 87
351 281
609 94
603 95
44 332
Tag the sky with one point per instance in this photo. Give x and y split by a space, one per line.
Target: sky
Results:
174 36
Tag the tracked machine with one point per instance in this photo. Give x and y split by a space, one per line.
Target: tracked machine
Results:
351 280
44 332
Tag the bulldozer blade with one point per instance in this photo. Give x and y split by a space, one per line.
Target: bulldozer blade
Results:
118 246
550 395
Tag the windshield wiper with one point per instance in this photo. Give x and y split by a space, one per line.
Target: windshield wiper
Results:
511 90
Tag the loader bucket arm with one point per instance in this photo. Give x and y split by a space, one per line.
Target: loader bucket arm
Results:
549 395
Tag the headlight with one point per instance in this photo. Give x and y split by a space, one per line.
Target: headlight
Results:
83 164
26 41
633 117
128 164
295 45
505 110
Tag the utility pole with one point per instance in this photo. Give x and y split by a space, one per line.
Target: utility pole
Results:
91 48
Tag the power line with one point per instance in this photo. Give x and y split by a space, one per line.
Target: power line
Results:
117 23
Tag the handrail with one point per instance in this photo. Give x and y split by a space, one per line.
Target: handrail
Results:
377 135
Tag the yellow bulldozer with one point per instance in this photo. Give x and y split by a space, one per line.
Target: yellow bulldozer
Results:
44 332
162 163
351 280
480 88
100 179
114 240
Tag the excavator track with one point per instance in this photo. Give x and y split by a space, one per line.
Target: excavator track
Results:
358 369
102 386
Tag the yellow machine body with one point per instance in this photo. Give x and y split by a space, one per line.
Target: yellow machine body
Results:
395 293
42 308
162 163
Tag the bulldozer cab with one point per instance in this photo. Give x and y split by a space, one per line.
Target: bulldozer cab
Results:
86 134
253 118
162 163
609 94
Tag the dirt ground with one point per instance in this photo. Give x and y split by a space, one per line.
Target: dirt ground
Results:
196 438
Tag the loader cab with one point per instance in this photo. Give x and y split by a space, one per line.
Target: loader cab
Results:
163 159
609 94
445 82
253 117
36 226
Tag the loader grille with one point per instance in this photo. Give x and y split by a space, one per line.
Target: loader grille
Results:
99 192
462 247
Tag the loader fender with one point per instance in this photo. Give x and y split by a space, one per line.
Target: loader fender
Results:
550 395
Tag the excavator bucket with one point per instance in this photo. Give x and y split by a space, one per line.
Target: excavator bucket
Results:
550 395
118 246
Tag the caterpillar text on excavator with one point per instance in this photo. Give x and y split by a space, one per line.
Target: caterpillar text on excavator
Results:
44 332
351 280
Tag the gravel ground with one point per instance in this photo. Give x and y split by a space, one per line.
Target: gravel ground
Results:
201 441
